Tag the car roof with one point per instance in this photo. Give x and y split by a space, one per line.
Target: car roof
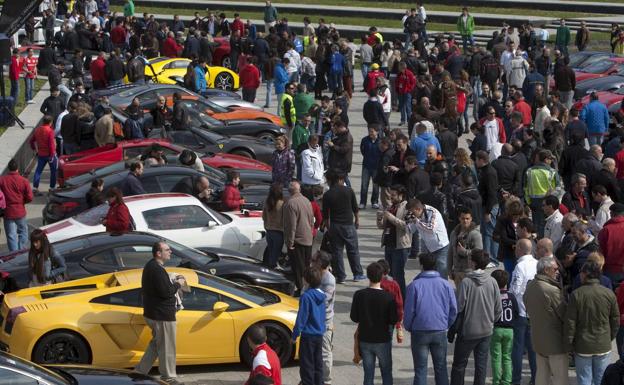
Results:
161 200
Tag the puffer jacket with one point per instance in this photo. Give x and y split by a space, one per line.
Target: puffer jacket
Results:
403 235
596 116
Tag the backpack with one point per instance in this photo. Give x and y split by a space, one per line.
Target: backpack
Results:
298 45
132 129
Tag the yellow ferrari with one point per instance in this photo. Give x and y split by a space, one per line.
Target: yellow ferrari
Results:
165 70
99 320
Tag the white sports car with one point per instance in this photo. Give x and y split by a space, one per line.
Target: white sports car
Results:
178 217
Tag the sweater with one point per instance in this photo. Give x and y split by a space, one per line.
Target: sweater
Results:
339 205
43 141
311 315
374 310
17 192
159 300
430 303
273 219
298 221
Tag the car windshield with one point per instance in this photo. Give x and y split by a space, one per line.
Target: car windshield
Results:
598 67
220 217
158 59
94 216
253 294
577 58
204 119
214 106
198 257
27 366
81 179
130 92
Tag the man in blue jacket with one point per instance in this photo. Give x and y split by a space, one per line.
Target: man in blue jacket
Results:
596 116
200 77
280 78
423 140
430 310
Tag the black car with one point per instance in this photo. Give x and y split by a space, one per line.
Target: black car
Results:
582 59
95 95
102 253
67 202
16 371
205 141
607 83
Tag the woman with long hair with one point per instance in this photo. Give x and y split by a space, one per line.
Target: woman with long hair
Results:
274 225
283 162
505 233
94 196
464 95
117 219
45 265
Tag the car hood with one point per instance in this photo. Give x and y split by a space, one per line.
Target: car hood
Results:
252 140
255 177
231 102
249 122
87 375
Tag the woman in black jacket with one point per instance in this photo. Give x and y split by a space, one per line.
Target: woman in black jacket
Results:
505 234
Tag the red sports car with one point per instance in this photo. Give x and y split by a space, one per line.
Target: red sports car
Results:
602 68
85 161
221 54
607 98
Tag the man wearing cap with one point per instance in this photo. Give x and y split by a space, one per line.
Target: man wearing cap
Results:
541 180
612 243
596 115
371 77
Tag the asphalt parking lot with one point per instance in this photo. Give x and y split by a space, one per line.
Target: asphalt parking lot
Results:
345 372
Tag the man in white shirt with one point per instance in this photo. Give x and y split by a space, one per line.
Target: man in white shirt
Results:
312 163
294 66
525 270
603 214
553 229
430 225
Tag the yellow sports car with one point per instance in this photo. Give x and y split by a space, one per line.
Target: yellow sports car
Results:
167 70
99 320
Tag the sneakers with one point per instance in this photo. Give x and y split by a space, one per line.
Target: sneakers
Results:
37 193
30 102
375 206
360 277
171 381
362 207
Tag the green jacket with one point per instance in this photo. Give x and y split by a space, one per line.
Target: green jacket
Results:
563 37
546 310
468 28
300 135
129 8
592 319
541 180
270 14
303 102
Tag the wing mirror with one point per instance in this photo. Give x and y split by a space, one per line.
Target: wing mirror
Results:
211 224
219 307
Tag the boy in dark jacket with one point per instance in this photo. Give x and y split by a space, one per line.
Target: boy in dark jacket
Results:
310 324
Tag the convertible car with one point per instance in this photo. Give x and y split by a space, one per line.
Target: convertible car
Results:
99 320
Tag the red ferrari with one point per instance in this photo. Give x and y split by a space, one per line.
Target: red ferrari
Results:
607 98
602 68
85 161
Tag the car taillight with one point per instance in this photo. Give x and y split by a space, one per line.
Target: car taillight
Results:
12 317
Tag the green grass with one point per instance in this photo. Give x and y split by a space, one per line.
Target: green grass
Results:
359 21
20 105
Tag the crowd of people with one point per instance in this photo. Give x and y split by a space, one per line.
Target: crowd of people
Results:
536 196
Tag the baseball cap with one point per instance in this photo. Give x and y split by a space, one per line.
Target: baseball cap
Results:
375 66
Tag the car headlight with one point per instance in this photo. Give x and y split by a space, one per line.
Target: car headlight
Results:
265 270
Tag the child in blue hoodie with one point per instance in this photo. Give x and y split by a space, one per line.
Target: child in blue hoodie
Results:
310 325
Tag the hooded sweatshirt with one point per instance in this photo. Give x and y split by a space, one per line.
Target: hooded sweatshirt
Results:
311 314
479 299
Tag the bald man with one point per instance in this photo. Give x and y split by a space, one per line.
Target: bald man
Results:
607 177
544 248
525 270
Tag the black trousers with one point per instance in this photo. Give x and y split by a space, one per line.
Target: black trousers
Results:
299 260
249 94
311 360
463 348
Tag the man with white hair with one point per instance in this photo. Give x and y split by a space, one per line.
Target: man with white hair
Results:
546 307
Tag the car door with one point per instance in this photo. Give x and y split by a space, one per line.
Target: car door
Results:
188 139
191 225
137 255
203 333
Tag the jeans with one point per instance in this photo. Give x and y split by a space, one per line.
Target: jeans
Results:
463 348
335 81
567 97
589 370
424 342
311 360
441 256
293 77
475 81
595 139
269 90
309 81
65 92
487 230
537 214
275 242
279 104
522 342
14 88
30 85
339 237
41 162
383 352
467 40
397 258
619 340
365 68
500 350
16 233
405 106
367 175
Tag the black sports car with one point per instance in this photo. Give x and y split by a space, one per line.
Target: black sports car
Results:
95 95
607 83
205 141
103 253
15 370
64 203
582 59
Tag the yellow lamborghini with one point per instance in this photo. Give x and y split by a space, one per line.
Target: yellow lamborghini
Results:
166 70
99 320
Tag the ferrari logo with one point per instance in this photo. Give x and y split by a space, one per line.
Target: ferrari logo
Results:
221 146
213 271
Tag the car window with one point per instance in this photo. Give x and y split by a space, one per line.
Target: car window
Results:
185 138
130 298
255 295
133 152
9 377
150 184
234 304
176 218
620 70
167 182
199 299
178 64
103 257
94 216
147 98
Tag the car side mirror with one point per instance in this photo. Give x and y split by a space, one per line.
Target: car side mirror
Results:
211 224
219 307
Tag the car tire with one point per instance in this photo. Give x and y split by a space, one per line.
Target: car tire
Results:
278 338
267 136
226 62
243 153
224 81
61 347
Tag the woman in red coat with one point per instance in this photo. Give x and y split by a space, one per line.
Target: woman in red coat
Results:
231 198
117 219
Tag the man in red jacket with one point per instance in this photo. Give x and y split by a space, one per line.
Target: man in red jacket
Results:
14 73
522 107
405 83
170 47
118 35
98 72
612 244
250 80
44 144
17 193
265 361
